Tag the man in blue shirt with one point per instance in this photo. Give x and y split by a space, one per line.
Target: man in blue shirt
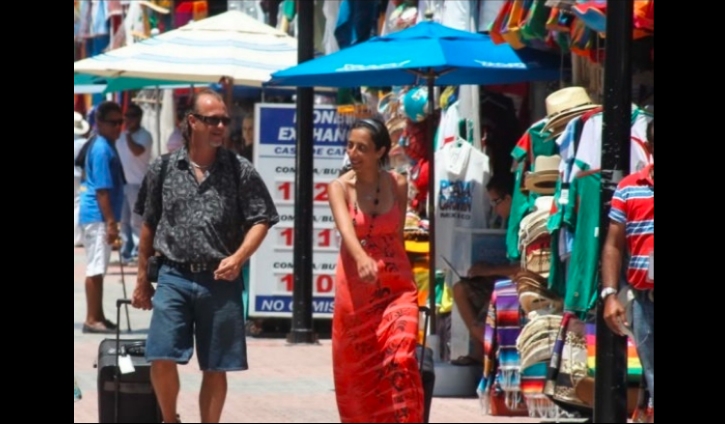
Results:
101 201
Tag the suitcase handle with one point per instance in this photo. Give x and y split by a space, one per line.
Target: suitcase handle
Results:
121 302
425 310
116 372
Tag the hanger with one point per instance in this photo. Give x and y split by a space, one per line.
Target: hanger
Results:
492 98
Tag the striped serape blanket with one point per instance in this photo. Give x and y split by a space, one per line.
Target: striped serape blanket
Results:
634 366
501 358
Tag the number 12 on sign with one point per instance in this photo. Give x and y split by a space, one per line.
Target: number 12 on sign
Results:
285 191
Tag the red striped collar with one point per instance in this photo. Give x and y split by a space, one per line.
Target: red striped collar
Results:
644 176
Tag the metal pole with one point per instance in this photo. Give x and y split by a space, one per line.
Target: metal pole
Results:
610 391
159 102
272 14
431 206
302 301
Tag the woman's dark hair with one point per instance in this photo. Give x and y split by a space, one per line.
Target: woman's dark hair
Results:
650 131
380 135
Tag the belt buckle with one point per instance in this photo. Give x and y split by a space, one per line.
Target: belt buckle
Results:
197 267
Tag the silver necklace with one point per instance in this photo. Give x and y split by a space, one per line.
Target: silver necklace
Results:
196 165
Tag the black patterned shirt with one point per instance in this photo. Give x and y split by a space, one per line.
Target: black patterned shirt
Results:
205 222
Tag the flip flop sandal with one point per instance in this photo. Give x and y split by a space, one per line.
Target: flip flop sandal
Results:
466 361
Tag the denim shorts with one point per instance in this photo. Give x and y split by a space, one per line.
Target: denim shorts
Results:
643 317
190 305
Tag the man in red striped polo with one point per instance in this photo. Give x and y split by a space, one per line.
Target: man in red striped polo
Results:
633 225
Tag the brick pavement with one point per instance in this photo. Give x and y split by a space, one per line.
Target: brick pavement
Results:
285 384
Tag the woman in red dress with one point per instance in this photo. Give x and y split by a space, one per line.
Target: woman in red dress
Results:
375 324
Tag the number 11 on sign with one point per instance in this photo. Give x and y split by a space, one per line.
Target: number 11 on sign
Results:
324 237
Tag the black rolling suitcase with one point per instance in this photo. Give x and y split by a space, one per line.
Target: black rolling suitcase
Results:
427 371
125 398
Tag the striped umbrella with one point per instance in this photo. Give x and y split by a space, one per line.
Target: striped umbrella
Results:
230 44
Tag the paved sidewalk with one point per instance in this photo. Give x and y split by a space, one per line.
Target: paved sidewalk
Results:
285 384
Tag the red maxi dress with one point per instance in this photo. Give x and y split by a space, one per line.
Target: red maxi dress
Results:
375 328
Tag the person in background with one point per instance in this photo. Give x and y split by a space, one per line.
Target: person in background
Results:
176 139
254 327
81 129
134 149
101 206
473 294
632 228
247 148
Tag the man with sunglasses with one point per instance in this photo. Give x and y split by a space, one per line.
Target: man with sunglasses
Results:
206 212
134 150
101 201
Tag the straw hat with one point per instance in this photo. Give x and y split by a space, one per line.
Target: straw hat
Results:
564 104
386 103
80 125
396 124
541 327
537 261
538 351
543 178
535 224
534 294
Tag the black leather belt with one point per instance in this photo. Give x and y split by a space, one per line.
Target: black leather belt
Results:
191 266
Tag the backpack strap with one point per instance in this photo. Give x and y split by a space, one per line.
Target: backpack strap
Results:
143 194
162 175
236 168
80 160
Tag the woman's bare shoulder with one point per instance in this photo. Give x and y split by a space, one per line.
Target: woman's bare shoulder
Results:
345 180
400 179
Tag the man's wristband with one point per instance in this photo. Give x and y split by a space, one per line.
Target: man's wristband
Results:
607 291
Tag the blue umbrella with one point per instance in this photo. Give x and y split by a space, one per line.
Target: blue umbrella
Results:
426 51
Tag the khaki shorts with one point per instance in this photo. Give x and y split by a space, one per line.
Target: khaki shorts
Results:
479 291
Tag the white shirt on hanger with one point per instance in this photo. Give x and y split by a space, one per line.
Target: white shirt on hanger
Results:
589 152
460 200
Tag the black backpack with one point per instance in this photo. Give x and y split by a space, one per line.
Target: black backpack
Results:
80 160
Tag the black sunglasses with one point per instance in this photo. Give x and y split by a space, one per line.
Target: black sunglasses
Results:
213 120
114 122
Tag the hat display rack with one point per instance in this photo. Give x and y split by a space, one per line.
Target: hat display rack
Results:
543 309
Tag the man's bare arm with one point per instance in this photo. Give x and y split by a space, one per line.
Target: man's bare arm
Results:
135 148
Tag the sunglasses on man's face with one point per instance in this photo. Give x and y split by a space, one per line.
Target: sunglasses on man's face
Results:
214 120
132 115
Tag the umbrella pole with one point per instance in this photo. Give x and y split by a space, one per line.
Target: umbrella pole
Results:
431 207
159 102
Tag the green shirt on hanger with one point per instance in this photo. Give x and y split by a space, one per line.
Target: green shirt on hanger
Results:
583 274
531 145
